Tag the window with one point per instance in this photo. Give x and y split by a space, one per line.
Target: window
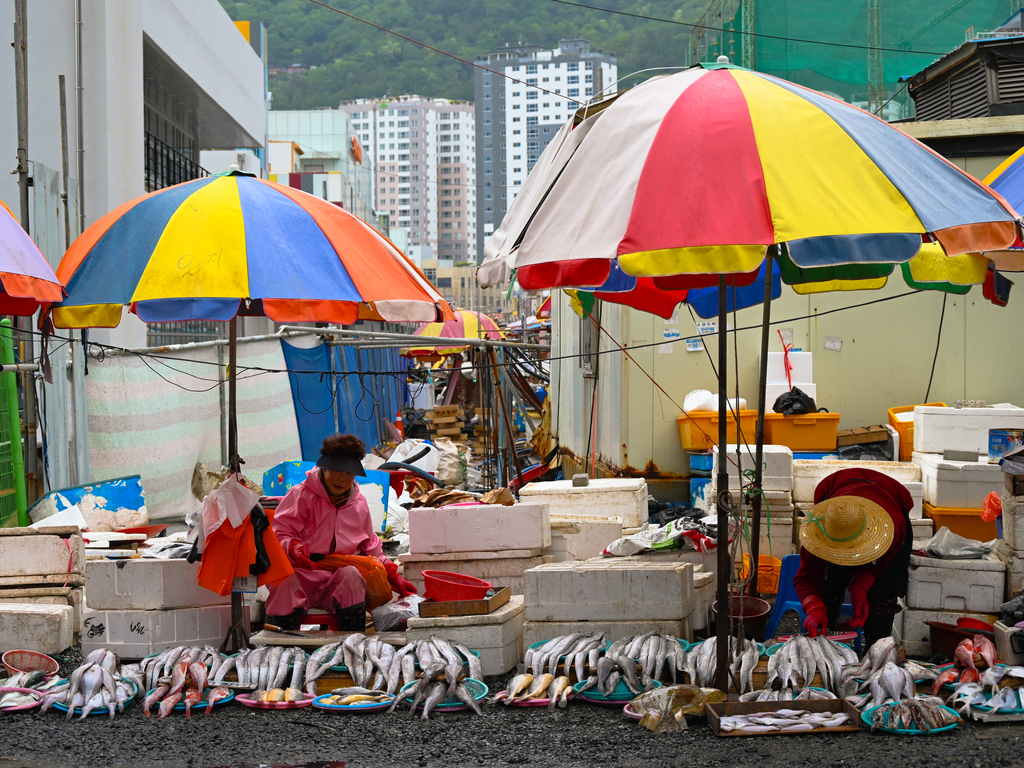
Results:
443 282
488 209
487 83
514 157
487 121
590 92
431 275
574 91
529 107
590 65
531 81
487 95
573 66
572 79
487 108
589 79
531 69
515 93
531 95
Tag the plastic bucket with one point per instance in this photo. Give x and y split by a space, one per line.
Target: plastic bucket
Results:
753 612
444 586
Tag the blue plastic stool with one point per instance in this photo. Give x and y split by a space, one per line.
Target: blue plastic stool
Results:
787 600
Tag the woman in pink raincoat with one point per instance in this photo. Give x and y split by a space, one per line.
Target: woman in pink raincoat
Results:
326 514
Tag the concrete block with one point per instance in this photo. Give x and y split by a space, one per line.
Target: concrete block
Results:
625 498
146 584
807 473
72 596
137 634
956 585
38 554
1013 519
704 590
917 634
498 636
776 466
501 569
537 631
479 528
610 589
31 627
1014 562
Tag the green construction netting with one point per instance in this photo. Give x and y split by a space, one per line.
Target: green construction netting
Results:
8 507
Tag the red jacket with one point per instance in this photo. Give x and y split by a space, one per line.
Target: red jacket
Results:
887 493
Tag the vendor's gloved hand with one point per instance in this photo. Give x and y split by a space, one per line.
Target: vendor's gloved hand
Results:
816 622
298 553
859 601
398 584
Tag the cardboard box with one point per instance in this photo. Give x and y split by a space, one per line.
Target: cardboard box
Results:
146 584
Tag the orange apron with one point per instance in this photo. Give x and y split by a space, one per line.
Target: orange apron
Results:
378 588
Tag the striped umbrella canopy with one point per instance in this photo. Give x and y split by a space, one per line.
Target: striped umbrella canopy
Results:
1008 180
686 177
26 278
465 325
210 248
545 308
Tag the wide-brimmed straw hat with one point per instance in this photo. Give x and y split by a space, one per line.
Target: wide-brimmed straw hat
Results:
847 530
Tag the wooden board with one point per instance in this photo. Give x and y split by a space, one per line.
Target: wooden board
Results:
861 435
446 420
445 410
466 607
715 712
448 432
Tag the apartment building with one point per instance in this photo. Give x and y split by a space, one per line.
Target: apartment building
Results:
457 283
521 109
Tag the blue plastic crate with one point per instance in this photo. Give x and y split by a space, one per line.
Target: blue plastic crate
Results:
701 462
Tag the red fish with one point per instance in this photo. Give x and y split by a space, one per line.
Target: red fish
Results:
970 676
949 675
192 697
197 671
154 696
168 704
986 648
216 694
181 670
964 654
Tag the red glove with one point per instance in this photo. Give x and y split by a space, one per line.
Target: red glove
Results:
859 600
398 584
816 622
298 553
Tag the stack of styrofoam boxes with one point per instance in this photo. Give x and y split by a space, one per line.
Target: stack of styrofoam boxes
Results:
40 588
498 636
1010 549
777 503
624 498
488 541
945 590
145 605
617 596
802 376
581 538
957 485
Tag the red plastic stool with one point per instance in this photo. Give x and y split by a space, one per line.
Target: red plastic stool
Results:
323 618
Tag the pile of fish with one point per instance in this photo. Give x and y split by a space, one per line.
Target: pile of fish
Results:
278 695
702 663
913 714
580 652
970 657
801 657
665 709
36 682
887 685
344 697
525 686
782 720
99 682
987 692
788 694
266 668
189 670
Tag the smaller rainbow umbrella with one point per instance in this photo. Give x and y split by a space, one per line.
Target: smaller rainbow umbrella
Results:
26 279
466 325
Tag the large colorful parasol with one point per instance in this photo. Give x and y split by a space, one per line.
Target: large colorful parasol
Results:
465 325
26 279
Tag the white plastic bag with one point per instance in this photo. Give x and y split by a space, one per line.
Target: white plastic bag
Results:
230 501
703 400
407 448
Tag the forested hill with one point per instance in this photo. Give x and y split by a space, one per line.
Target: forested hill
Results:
354 60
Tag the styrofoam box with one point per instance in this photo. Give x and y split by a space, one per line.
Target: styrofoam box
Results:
146 584
72 596
501 569
498 636
34 627
957 484
777 466
137 634
610 589
917 492
625 498
939 429
1013 519
781 537
587 537
704 591
537 631
956 585
773 392
802 368
35 554
479 528
924 528
807 473
707 561
917 635
1004 646
1014 562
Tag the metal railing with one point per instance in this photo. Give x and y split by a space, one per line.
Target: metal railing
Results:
187 332
166 166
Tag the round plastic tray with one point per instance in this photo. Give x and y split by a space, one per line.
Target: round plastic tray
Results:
22 707
868 715
1015 711
352 709
501 695
245 700
180 706
477 687
614 699
101 710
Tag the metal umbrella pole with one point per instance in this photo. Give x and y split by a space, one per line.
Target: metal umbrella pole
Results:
238 635
723 500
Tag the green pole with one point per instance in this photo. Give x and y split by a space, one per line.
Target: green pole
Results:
11 388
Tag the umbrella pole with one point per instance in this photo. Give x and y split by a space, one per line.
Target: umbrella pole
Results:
238 635
724 508
755 525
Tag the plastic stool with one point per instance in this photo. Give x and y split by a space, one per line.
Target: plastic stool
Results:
319 616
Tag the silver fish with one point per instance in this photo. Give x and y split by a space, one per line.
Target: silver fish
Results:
476 670
435 696
463 694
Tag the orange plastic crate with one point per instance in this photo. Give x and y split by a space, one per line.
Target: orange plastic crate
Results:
698 430
803 432
768 570
906 428
964 522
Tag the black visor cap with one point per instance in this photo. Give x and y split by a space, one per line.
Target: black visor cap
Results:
341 463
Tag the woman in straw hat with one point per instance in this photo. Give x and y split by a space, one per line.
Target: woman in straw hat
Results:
858 537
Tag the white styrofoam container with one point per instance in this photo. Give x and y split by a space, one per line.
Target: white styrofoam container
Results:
807 473
73 596
625 498
498 635
939 429
917 492
538 631
501 569
35 627
956 585
802 371
582 538
924 528
704 591
1014 562
957 484
707 561
773 392
479 528
609 589
137 634
1004 645
35 554
776 466
1013 519
917 634
781 537
146 584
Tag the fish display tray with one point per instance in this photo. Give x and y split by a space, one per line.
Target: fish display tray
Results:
985 708
500 696
180 706
716 712
613 699
362 708
100 710
246 701
869 714
477 687
23 707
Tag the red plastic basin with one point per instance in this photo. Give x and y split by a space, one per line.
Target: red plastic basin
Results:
444 586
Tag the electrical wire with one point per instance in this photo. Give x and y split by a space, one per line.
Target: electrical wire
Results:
938 339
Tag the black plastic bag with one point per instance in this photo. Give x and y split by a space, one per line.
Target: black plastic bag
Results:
794 402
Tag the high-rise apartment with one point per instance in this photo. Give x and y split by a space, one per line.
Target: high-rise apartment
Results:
425 180
516 118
